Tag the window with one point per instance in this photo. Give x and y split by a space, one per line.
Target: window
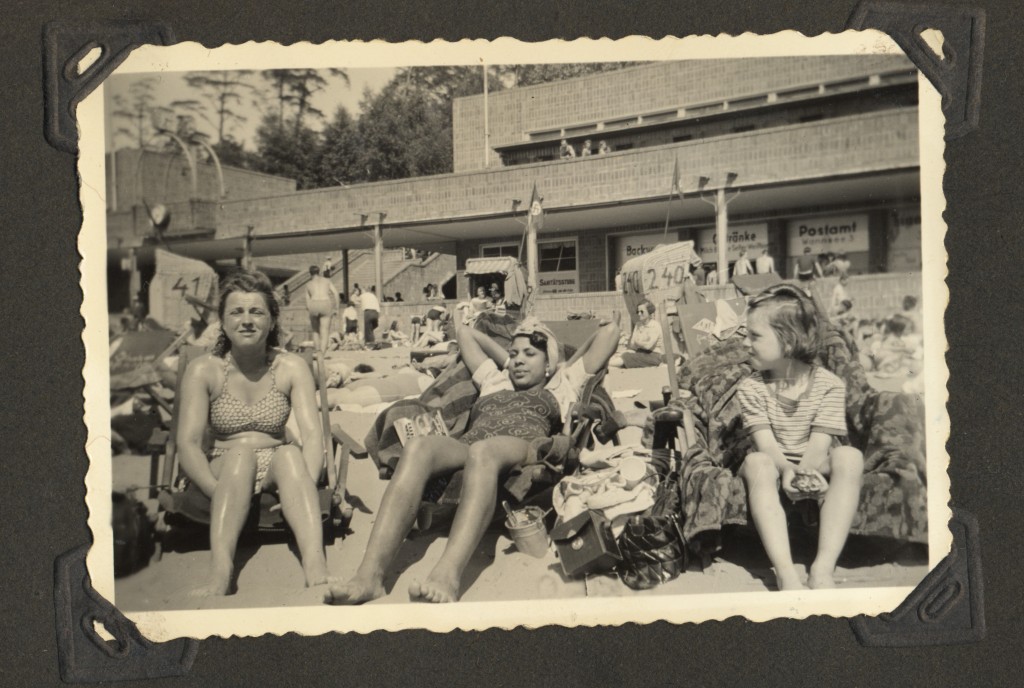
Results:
623 146
500 251
681 138
740 128
557 256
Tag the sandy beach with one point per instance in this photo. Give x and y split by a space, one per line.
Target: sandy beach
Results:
270 576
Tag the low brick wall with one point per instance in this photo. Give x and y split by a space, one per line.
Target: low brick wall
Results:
874 296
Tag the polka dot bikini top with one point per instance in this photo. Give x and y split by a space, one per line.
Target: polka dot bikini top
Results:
229 415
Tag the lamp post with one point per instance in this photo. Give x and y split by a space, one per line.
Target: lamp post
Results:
720 202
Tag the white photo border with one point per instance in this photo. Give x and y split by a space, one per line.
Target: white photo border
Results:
165 625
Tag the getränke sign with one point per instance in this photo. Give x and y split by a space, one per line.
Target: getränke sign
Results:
847 233
754 238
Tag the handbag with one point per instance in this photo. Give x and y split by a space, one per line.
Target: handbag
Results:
652 546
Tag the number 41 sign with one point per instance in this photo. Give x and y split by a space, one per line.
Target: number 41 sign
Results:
657 275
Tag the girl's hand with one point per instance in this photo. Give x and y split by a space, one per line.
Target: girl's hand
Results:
788 479
809 483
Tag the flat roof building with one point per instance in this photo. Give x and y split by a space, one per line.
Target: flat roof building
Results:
823 152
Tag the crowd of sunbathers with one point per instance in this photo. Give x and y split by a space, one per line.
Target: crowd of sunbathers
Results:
245 390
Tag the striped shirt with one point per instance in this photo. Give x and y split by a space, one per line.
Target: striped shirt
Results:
821 408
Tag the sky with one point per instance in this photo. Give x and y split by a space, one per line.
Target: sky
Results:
172 87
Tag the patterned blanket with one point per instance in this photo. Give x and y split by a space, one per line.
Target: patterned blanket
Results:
887 427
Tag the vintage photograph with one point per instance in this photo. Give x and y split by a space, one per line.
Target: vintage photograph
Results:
494 334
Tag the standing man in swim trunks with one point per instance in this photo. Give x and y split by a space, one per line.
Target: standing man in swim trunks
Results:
321 300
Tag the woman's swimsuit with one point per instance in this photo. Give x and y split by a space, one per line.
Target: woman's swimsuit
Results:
229 416
529 415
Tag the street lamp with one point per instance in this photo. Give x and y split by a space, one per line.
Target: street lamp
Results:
720 202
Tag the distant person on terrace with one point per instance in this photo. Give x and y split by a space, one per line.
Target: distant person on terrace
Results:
566 151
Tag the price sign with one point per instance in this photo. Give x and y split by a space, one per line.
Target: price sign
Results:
657 275
177 276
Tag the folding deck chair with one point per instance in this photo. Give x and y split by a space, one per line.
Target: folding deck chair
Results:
185 508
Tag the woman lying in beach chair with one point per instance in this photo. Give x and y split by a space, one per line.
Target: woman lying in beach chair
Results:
521 404
244 392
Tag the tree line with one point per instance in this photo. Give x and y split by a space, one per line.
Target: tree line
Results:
404 130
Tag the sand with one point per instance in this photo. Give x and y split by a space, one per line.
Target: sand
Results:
269 573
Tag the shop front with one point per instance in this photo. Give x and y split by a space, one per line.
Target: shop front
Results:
833 234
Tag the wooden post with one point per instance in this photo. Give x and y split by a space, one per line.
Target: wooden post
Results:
532 264
378 256
721 231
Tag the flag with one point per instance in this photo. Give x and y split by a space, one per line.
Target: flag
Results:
536 209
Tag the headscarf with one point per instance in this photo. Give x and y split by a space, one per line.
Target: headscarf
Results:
531 326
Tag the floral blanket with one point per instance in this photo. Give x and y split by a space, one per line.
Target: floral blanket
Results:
887 427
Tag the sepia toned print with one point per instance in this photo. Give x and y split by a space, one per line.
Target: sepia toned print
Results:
640 329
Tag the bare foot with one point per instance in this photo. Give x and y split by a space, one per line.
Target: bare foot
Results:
218 587
315 572
432 591
788 579
356 591
435 589
820 580
220 584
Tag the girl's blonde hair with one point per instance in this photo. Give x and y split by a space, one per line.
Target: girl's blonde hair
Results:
794 318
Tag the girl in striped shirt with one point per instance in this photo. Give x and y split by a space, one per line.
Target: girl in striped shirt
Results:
795 412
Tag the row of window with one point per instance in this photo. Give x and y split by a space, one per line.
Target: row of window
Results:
553 256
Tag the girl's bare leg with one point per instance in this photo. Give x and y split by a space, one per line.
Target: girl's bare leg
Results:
235 471
301 508
846 466
422 458
488 460
762 480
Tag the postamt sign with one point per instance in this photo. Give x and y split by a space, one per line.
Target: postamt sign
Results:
847 233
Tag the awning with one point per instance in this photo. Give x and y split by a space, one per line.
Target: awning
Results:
487 266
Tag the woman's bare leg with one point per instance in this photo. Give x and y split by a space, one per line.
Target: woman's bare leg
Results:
488 460
846 469
422 458
762 480
235 471
301 508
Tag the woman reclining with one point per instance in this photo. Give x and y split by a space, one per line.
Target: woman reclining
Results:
524 398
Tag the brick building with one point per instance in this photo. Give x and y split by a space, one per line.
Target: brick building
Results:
823 152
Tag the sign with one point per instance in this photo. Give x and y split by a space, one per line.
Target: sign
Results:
631 246
656 275
905 241
176 277
754 238
562 282
847 233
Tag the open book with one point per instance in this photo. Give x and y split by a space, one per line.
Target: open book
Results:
429 423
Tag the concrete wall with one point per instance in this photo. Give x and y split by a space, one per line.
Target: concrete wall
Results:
165 178
848 145
636 90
